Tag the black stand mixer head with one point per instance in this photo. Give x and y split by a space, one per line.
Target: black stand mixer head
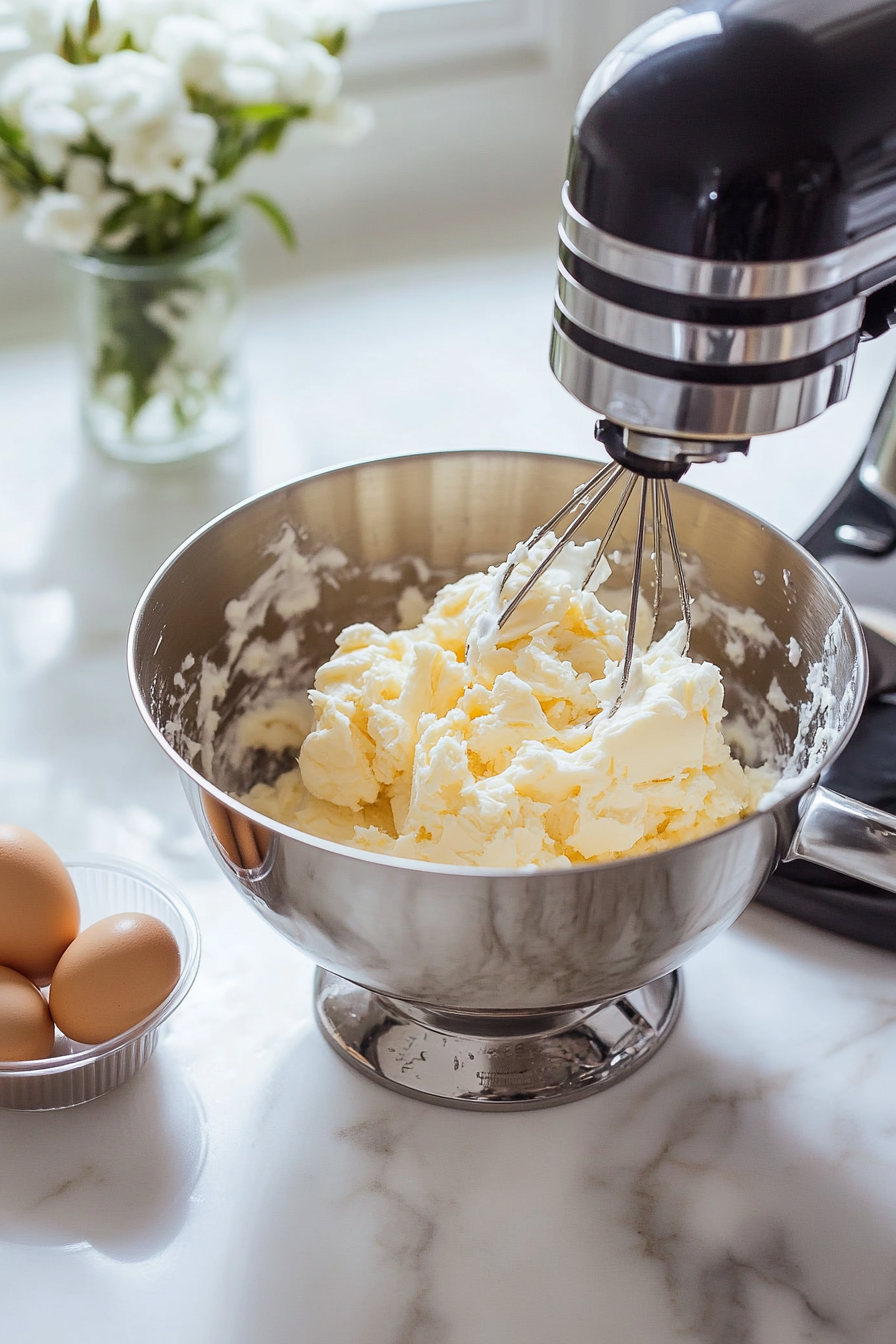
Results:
728 232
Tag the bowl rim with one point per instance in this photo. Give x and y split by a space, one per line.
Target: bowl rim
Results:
783 800
88 1054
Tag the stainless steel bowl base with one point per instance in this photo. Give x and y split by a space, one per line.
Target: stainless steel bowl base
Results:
495 1061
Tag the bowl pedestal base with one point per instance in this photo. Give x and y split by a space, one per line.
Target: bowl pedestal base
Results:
495 1061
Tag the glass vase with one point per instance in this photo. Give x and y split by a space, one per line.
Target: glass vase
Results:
158 342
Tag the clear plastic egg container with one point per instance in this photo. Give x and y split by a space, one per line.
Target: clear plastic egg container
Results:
77 1073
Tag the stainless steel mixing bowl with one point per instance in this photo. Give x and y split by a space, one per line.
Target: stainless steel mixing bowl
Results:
490 987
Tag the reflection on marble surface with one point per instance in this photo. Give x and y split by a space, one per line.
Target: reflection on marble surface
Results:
740 1190
116 1175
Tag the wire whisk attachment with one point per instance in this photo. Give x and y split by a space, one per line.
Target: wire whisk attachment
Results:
654 499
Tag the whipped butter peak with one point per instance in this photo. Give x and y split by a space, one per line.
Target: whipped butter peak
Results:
455 742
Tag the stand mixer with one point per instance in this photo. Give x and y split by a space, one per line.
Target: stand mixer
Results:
728 234
727 237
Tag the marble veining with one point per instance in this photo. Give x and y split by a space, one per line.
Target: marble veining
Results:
720 1196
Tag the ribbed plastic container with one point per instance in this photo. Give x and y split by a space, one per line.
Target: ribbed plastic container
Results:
76 1073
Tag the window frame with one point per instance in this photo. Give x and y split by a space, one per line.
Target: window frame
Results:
422 35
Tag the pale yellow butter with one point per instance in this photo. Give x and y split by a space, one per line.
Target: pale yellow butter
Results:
509 756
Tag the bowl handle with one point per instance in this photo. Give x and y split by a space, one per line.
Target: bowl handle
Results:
849 837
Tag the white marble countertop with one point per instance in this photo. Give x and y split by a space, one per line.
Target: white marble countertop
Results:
248 1188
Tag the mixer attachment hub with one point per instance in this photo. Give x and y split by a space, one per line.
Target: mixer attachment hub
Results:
662 457
493 1061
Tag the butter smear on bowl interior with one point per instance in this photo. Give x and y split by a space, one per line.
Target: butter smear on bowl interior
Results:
455 743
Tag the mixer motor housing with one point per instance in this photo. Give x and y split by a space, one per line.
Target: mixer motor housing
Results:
728 228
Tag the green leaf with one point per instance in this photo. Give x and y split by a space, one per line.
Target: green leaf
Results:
68 49
231 147
11 135
207 102
274 216
193 225
269 137
129 213
264 112
94 22
18 163
334 43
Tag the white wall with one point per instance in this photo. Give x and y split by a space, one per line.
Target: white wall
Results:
466 154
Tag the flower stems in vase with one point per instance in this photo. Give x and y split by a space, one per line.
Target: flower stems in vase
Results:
158 341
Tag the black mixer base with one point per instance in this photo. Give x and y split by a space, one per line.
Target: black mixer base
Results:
866 919
866 771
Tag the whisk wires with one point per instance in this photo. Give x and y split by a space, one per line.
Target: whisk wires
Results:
653 498
602 484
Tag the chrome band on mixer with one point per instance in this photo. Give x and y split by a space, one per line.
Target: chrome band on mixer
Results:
698 410
721 279
710 350
701 343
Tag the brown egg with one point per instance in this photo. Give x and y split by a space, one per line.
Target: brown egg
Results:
39 913
112 976
26 1027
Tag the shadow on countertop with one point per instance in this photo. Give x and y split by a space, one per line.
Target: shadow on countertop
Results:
116 1174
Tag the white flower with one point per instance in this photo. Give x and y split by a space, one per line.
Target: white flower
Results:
169 156
283 21
85 178
52 128
343 122
135 20
70 220
311 76
288 22
40 95
32 75
251 72
194 47
137 102
138 108
62 220
229 57
44 20
128 91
